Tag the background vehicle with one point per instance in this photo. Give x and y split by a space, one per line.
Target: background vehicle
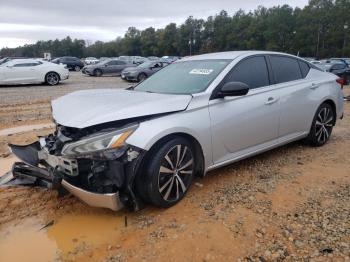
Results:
91 60
153 58
339 60
339 69
170 59
107 67
31 71
141 72
72 63
121 147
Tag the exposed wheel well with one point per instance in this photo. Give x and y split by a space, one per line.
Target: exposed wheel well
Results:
197 147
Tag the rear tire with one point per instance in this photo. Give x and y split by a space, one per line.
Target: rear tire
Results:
77 68
168 173
98 72
52 78
322 126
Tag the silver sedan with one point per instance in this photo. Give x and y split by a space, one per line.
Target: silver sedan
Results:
115 148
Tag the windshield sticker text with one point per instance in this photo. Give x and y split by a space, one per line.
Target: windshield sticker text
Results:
201 71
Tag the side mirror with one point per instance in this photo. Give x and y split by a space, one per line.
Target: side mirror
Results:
233 89
9 66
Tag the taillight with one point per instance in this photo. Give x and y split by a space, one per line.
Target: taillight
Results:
341 81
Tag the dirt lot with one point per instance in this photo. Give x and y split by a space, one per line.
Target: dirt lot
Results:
291 204
31 103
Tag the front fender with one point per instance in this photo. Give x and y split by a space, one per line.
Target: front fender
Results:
195 123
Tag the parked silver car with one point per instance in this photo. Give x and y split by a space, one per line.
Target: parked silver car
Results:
106 67
115 148
141 72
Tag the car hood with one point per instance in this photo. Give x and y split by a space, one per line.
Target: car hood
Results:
92 107
130 69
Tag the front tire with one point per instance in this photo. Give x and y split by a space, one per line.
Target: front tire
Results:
77 68
169 173
141 77
97 72
322 126
52 78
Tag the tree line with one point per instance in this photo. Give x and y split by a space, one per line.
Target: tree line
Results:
320 29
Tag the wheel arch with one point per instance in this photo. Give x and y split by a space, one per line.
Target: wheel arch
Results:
190 138
334 107
52 71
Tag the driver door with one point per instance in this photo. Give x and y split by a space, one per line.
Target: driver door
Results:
242 125
20 73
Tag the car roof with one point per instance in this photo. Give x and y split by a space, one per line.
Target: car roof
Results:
27 60
229 55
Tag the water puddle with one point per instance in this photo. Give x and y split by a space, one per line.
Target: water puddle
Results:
71 234
26 128
26 242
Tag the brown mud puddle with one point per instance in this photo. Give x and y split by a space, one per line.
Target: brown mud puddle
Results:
26 242
71 234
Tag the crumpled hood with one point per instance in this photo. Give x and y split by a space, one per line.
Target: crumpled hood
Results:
92 107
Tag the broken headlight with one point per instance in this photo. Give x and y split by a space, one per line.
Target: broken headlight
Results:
109 140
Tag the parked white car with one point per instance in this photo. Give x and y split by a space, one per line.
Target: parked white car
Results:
32 71
91 61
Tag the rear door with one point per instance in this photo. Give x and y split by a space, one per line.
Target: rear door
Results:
110 67
246 124
120 66
296 95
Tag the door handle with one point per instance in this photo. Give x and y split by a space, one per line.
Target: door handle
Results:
271 100
314 86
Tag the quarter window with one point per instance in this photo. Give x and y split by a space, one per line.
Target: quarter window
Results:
285 69
305 68
251 71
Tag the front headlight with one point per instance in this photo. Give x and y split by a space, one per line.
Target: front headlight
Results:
110 140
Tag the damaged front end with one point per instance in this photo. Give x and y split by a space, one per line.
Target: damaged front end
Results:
95 164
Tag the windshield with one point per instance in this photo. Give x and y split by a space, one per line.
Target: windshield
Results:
187 77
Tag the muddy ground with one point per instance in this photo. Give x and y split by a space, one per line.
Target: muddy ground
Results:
290 204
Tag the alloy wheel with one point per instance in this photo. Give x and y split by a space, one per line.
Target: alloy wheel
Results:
76 68
52 79
323 125
175 173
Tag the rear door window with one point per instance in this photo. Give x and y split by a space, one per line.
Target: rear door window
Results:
251 71
120 62
285 69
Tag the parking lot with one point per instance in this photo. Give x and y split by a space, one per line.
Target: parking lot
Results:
31 103
290 202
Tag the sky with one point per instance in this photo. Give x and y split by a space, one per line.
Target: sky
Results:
27 21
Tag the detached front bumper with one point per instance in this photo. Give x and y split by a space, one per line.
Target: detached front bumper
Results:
36 170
